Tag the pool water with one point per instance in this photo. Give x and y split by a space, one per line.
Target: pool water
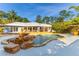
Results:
43 38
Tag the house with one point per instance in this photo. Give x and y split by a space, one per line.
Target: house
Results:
28 27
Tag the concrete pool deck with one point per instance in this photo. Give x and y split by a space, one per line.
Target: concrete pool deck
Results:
5 37
68 39
31 33
71 50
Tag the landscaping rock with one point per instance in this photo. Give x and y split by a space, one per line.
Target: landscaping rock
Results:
12 48
4 42
26 45
19 41
11 40
23 34
29 37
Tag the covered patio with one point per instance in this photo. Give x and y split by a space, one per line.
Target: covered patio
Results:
26 27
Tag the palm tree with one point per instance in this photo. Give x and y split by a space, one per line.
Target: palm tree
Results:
38 19
60 19
75 7
12 16
25 20
2 15
18 18
65 14
53 19
46 19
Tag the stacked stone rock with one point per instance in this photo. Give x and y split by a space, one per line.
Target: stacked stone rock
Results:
22 42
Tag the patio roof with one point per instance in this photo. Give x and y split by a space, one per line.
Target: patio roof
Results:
28 24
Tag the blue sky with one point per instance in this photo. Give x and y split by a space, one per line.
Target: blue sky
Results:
31 10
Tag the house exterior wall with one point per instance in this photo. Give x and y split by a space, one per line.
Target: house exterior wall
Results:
30 29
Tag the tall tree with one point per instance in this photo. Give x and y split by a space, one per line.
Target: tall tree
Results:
2 15
75 7
38 19
25 20
65 14
18 19
11 16
46 19
53 19
60 19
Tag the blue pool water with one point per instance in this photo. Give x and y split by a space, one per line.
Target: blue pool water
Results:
40 39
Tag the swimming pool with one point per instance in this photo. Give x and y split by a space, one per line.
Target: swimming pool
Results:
49 49
44 39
